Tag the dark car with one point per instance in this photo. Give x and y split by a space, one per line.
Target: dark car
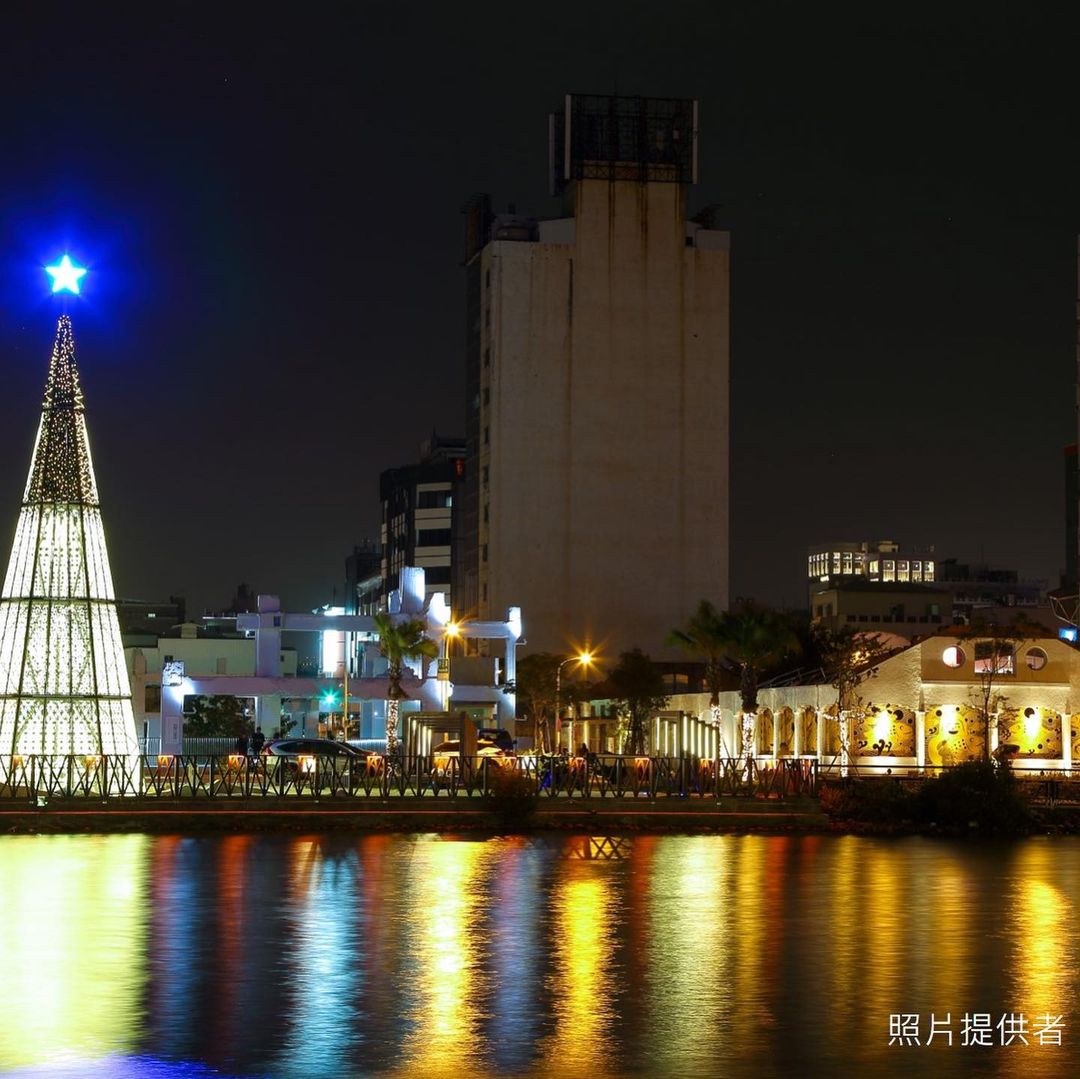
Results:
497 736
302 754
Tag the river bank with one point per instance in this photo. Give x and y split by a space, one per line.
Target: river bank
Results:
413 815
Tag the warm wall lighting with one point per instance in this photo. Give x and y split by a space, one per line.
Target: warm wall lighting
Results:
1032 722
882 726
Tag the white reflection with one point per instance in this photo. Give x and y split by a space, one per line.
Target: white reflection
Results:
75 912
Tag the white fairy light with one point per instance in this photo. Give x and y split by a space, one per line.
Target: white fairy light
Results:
64 687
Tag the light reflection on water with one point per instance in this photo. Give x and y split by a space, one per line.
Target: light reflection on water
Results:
401 956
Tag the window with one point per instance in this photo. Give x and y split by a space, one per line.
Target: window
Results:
433 537
487 436
487 357
487 395
1036 659
436 574
487 512
954 657
152 700
486 475
432 500
484 552
994 657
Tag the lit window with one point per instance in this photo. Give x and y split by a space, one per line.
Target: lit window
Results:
953 656
993 657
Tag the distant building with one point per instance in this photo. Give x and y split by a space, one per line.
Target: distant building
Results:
418 513
596 485
363 579
144 620
992 594
878 561
213 648
908 610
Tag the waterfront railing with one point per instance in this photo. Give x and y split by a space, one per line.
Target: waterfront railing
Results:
237 776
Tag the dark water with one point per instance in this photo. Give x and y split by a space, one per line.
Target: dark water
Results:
403 956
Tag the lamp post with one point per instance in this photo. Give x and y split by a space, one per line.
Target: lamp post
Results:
452 630
584 658
345 693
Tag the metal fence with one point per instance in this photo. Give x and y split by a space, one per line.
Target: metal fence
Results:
212 776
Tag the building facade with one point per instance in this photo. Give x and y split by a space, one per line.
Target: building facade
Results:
922 709
596 479
418 516
878 561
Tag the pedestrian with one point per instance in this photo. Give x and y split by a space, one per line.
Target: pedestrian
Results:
242 743
258 740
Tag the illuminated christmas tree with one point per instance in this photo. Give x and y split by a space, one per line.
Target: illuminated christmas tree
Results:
64 688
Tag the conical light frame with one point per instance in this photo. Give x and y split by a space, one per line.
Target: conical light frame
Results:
64 686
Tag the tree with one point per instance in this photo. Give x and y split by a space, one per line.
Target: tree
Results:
995 648
848 658
638 690
755 638
400 642
705 635
535 688
214 717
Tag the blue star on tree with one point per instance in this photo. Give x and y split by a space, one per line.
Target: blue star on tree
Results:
66 275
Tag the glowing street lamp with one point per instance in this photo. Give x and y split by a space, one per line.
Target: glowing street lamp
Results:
450 632
582 658
65 275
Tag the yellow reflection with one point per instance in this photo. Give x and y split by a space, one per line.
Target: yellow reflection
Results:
449 986
748 935
690 923
75 910
1044 953
582 955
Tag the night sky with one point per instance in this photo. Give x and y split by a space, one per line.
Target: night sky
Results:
275 313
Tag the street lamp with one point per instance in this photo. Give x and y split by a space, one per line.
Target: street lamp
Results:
584 658
451 631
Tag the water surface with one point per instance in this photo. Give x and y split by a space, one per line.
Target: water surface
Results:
398 956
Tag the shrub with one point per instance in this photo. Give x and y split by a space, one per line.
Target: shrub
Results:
975 792
876 800
511 797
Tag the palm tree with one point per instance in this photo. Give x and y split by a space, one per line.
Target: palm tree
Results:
705 635
755 638
398 643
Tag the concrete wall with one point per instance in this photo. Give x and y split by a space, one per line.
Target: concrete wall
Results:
606 406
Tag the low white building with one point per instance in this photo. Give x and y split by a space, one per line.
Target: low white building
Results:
922 709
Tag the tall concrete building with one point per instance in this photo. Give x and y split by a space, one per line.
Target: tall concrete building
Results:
595 494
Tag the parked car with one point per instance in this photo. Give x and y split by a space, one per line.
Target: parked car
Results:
498 736
302 753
